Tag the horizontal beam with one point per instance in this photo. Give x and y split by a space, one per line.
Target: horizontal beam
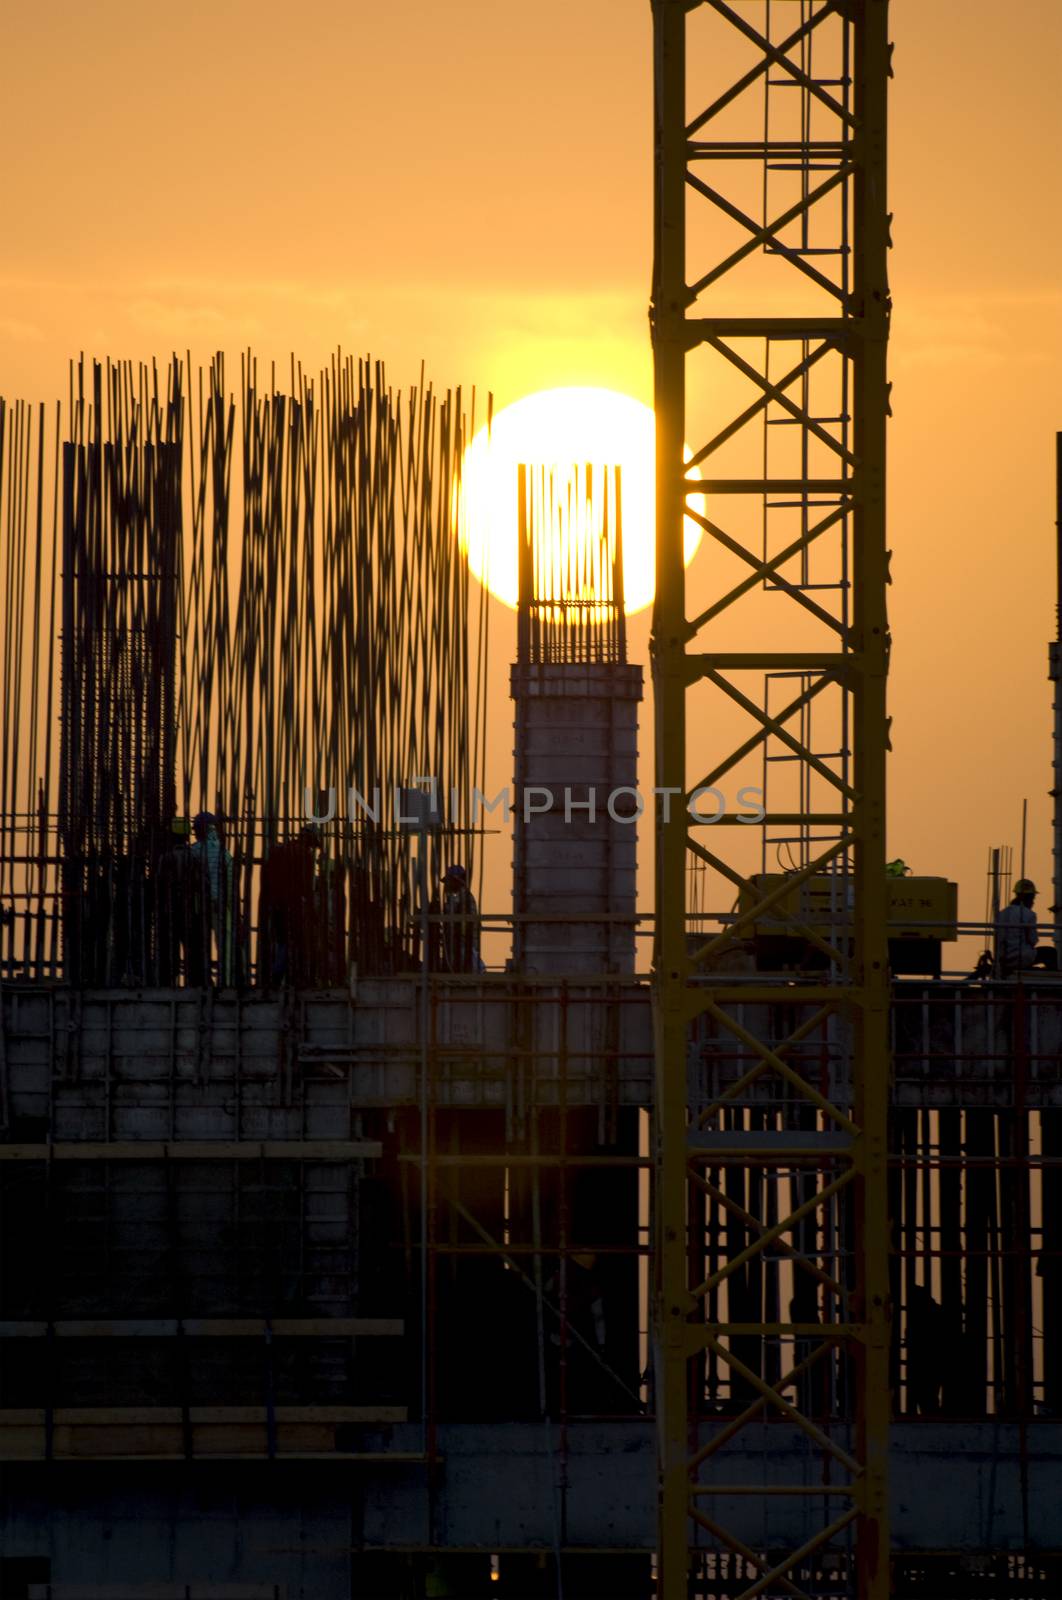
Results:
773 1488
199 1416
559 1158
761 1141
797 486
759 991
699 663
791 819
109 1590
194 1150
838 1331
834 329
164 1433
762 149
209 1328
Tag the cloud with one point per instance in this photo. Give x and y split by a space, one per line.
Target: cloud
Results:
982 330
187 323
19 332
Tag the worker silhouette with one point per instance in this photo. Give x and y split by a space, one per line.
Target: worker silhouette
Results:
368 931
928 1347
290 909
213 886
174 901
459 923
586 1335
329 953
1016 947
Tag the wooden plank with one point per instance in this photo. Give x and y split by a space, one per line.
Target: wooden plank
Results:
140 1444
378 1457
157 1591
210 1328
22 1444
195 1150
157 1433
168 1443
124 1416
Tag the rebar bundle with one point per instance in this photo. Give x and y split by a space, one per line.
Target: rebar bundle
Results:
272 651
570 565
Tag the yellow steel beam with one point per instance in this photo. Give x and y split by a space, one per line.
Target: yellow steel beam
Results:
672 1299
688 1318
871 306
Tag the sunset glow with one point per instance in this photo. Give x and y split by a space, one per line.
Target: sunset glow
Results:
562 429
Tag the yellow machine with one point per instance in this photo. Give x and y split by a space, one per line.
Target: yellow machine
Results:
923 915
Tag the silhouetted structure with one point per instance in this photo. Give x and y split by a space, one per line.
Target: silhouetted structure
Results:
240 611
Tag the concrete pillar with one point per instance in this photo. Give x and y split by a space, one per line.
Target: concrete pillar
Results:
576 747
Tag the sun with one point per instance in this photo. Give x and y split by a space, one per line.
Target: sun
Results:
563 429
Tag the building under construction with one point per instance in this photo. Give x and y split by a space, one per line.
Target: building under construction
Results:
364 1238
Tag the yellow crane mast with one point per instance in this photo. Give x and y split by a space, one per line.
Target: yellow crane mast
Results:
770 315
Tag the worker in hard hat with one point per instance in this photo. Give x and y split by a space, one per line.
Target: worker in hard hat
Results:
175 907
1016 946
460 923
289 908
330 918
585 1300
213 874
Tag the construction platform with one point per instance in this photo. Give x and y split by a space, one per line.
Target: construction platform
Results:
217 1310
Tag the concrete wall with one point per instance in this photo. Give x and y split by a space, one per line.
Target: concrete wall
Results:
166 1064
955 1487
155 1524
163 1064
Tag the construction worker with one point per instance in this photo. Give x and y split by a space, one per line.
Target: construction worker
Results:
329 965
1016 947
213 874
927 1348
593 1298
897 868
174 901
289 908
460 923
131 913
368 934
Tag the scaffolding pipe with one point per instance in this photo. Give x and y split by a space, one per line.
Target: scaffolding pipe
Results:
1054 673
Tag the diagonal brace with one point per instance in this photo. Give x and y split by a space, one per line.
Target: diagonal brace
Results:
772 1396
812 1203
773 725
771 391
798 1034
767 233
773 53
792 881
770 724
765 569
772 1059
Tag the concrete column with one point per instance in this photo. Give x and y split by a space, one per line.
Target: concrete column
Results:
576 746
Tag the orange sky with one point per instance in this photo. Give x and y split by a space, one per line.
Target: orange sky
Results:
471 183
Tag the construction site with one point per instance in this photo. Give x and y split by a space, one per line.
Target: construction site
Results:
644 1189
